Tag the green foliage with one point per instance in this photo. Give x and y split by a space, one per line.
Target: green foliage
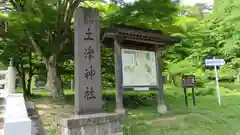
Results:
209 37
214 34
132 99
136 99
127 129
230 86
205 91
108 68
153 14
2 66
53 130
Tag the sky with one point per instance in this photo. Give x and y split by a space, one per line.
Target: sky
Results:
193 2
188 2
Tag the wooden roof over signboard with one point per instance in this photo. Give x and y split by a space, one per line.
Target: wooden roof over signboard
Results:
136 38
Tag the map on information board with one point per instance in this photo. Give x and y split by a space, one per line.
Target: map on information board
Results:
139 68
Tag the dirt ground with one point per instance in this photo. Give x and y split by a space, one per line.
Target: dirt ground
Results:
52 111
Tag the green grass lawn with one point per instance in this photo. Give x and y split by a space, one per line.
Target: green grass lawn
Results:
206 118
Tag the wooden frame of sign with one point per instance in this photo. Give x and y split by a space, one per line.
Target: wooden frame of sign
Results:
189 81
128 37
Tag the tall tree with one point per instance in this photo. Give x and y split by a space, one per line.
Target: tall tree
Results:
15 45
48 25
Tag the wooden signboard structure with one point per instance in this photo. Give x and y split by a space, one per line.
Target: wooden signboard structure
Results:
128 37
189 81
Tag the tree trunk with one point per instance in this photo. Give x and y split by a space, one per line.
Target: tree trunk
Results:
30 74
54 83
26 91
28 87
65 10
23 85
174 80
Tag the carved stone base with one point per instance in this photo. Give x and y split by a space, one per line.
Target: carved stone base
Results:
121 111
92 124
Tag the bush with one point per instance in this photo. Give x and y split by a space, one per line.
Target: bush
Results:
127 129
132 99
53 130
231 86
200 82
135 99
204 91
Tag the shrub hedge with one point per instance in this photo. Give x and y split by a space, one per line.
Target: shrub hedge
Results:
230 86
132 99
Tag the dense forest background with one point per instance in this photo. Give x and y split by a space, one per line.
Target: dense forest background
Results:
39 38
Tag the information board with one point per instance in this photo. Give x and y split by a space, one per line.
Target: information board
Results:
214 62
188 81
139 68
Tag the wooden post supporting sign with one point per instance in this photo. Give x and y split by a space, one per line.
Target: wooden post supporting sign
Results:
189 81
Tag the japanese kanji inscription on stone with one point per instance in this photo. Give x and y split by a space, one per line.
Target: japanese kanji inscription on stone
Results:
87 61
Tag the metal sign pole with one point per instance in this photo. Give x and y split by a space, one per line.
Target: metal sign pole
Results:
217 85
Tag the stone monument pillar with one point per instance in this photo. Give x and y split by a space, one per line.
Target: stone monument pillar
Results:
89 118
87 63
